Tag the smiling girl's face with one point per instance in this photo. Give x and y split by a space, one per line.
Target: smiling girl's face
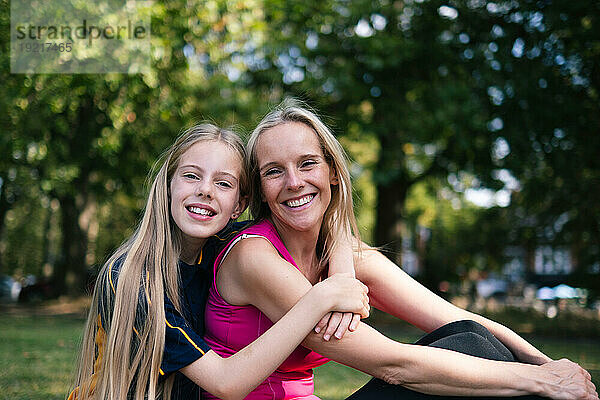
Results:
295 177
205 191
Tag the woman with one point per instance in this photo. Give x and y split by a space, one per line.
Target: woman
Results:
143 338
301 200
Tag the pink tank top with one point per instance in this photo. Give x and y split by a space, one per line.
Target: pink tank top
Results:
230 328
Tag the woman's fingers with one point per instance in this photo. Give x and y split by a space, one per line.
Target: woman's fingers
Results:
366 309
332 325
569 381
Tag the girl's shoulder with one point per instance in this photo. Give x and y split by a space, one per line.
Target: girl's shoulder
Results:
226 235
232 229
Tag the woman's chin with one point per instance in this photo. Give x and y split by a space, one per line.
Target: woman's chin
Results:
301 225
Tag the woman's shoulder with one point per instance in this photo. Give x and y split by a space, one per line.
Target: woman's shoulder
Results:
252 243
235 231
262 228
249 257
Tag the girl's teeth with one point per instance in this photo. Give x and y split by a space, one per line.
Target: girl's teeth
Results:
201 211
299 202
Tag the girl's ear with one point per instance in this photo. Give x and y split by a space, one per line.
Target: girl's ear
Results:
241 206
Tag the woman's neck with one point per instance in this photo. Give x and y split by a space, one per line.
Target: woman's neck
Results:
302 246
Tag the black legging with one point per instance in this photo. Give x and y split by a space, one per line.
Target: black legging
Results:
466 337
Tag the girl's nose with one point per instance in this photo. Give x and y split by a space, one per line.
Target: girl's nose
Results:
204 189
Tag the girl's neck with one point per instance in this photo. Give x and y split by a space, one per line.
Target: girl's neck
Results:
190 249
302 246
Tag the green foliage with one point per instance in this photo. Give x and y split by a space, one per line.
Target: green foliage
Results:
538 63
476 86
419 91
86 142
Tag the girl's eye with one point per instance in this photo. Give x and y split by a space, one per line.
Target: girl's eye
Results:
225 184
189 175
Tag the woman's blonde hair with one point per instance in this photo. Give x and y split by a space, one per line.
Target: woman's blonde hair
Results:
339 221
123 345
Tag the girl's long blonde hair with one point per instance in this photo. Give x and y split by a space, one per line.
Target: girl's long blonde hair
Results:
339 220
122 349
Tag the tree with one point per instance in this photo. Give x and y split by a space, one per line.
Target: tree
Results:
385 69
83 138
541 73
502 90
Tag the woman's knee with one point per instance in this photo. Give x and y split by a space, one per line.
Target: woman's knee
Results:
469 343
468 325
450 329
473 344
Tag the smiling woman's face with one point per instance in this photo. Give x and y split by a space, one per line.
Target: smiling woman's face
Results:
295 177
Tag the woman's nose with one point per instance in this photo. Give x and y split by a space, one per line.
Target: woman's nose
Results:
294 180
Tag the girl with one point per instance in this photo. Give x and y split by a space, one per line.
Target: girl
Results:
146 319
301 192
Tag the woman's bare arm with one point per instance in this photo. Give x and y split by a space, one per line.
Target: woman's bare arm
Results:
255 274
395 292
236 376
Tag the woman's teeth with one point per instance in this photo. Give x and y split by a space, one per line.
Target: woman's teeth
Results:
300 202
201 211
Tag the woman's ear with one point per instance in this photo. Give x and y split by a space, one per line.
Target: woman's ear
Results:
241 206
333 179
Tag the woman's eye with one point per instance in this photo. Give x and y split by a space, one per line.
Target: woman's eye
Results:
271 172
308 163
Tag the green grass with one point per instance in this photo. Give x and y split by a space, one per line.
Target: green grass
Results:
38 357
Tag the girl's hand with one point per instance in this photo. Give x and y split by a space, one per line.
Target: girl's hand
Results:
349 296
337 324
569 381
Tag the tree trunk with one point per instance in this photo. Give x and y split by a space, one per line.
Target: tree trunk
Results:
4 207
70 271
389 218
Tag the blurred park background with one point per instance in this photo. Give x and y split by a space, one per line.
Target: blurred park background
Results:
473 127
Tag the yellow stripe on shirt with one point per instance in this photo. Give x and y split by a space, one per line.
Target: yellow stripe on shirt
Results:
110 277
186 336
110 270
199 257
228 235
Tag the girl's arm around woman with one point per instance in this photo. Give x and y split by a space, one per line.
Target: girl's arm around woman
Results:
236 376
